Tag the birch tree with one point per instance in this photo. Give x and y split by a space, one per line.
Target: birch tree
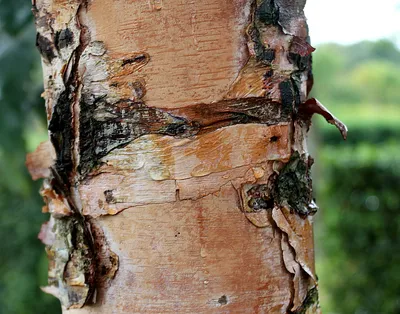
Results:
177 176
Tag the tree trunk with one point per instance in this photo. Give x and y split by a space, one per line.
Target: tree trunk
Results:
177 177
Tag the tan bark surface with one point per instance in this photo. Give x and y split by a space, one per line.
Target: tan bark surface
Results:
196 48
181 178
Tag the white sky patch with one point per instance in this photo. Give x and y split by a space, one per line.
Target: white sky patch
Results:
350 21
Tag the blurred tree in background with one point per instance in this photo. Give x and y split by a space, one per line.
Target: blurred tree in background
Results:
358 238
366 72
357 181
23 264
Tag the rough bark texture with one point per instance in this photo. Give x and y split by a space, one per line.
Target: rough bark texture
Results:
178 176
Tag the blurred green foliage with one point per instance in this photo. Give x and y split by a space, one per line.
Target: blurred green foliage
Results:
23 265
366 72
357 181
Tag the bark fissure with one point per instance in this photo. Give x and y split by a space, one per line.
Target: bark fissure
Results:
70 240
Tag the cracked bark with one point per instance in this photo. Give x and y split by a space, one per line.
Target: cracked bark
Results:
177 177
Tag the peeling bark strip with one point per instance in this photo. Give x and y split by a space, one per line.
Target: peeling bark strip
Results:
177 178
108 126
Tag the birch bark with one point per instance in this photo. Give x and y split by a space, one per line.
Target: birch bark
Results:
177 177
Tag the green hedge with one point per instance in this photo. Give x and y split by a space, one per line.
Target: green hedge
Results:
358 242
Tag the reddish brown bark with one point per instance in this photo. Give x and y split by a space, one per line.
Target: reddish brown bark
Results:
180 181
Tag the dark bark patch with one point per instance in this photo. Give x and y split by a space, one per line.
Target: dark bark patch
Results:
105 126
181 128
303 63
263 54
287 97
296 80
62 135
310 80
268 55
110 199
63 38
268 13
259 197
310 300
293 186
45 47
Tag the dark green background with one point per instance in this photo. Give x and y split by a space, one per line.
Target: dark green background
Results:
356 182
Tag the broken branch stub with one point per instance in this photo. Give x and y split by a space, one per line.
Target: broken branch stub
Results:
312 105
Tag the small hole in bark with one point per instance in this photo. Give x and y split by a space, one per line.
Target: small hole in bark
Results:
274 138
176 235
223 300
